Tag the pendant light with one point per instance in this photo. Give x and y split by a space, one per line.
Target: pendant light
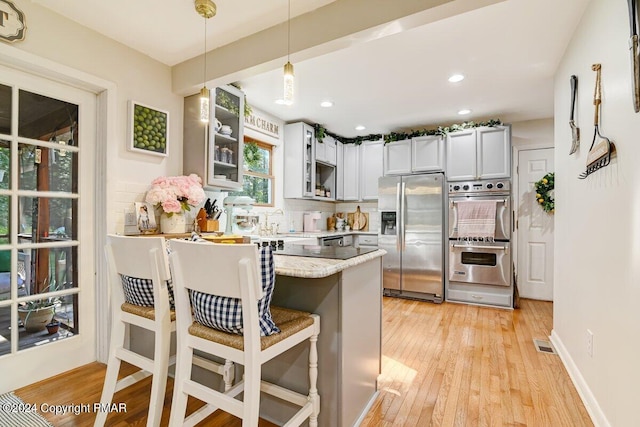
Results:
206 9
288 67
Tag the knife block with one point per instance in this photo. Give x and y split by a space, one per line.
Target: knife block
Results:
208 224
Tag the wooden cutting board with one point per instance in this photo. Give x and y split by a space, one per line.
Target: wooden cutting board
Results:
358 220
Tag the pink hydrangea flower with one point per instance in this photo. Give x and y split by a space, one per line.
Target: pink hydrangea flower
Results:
175 194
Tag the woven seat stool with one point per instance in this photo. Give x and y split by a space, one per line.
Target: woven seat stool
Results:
138 267
232 273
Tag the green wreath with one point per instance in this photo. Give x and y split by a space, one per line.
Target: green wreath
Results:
544 193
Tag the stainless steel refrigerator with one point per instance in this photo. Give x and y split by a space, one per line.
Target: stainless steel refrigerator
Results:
411 209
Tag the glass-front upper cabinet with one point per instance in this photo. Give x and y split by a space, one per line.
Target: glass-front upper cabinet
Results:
226 133
215 151
299 161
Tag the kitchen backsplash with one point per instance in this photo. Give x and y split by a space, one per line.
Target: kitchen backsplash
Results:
290 216
295 210
367 207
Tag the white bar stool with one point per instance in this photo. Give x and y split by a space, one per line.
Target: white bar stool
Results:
139 262
236 272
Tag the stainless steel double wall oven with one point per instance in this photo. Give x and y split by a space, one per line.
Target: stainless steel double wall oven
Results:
480 261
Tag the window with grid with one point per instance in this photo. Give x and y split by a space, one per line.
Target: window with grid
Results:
38 217
258 172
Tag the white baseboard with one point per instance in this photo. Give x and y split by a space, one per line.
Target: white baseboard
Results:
591 404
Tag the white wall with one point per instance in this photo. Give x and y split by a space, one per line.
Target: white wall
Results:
136 76
597 247
530 133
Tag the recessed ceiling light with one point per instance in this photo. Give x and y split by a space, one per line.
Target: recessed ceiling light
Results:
326 104
456 78
360 127
283 102
464 112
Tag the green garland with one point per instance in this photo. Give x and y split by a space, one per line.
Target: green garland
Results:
321 132
223 100
543 188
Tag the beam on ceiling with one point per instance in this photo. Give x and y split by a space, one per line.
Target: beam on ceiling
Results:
336 26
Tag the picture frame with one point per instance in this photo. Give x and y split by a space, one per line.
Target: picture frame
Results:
148 129
145 218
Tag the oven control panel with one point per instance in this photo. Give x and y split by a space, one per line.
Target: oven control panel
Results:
475 187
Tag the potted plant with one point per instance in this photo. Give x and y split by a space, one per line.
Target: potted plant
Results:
36 314
52 327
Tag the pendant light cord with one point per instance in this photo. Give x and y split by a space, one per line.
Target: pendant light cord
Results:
289 32
204 80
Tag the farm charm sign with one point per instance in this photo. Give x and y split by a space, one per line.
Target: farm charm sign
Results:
262 124
12 22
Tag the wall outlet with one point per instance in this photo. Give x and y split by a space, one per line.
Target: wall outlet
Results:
589 343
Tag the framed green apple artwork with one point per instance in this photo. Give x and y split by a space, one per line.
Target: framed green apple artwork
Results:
149 129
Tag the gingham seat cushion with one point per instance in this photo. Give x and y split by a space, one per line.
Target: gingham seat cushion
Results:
225 313
140 291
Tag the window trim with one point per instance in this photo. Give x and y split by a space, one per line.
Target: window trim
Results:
271 176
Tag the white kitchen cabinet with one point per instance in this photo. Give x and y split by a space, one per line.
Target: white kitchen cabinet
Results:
304 176
359 167
420 154
427 153
351 171
299 162
339 171
365 241
494 152
397 157
461 156
481 153
216 158
371 168
326 151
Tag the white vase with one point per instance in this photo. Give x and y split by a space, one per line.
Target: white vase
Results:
176 223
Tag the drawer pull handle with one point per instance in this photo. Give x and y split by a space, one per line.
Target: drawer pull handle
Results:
476 296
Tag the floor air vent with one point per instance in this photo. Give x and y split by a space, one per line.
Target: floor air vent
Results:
544 346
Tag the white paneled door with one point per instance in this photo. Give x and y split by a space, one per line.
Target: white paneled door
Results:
535 227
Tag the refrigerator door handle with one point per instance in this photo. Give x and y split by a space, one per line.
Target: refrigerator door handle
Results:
402 213
398 213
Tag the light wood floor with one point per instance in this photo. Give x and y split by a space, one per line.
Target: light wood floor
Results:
462 365
443 365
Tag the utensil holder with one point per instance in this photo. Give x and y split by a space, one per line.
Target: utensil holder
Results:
208 225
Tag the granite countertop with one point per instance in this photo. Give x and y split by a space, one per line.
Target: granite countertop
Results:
313 268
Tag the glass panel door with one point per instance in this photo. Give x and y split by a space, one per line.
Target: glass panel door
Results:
47 137
309 172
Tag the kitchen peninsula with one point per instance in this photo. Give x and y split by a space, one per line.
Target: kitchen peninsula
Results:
347 294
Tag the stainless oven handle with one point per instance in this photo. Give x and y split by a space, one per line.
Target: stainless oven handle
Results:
453 202
490 248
